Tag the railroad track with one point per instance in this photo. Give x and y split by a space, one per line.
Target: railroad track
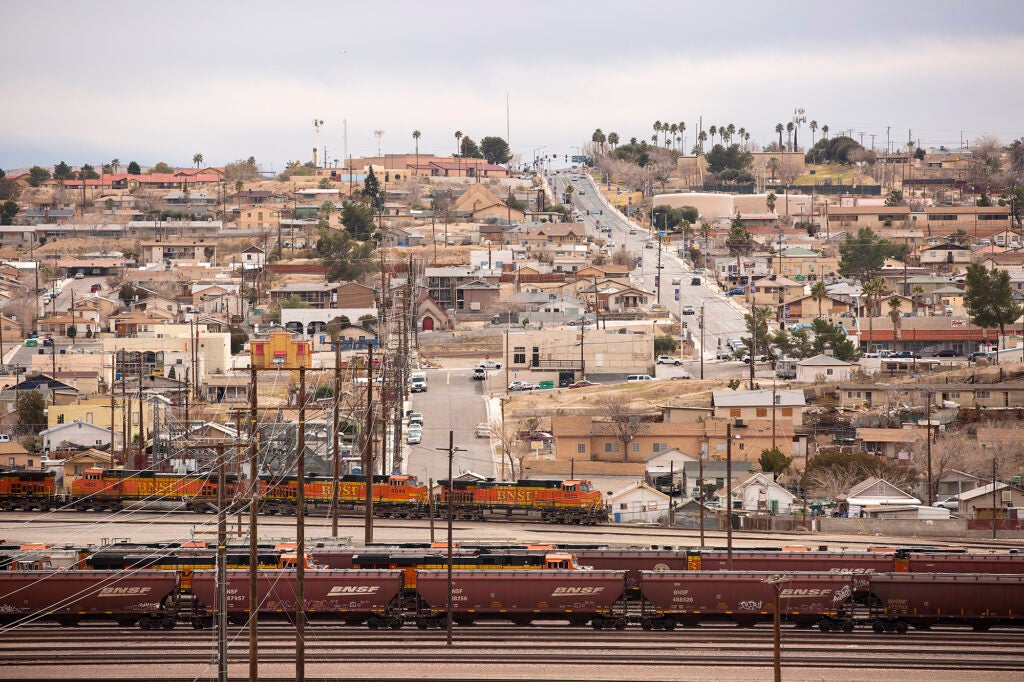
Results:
92 650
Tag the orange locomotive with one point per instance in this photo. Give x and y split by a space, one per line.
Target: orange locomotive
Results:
27 490
555 501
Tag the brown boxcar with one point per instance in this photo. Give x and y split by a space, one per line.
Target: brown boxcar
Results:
523 596
965 563
356 597
925 599
856 564
690 597
633 561
128 597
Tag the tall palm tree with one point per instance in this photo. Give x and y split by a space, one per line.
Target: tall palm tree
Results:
918 292
197 159
789 135
824 131
779 128
613 139
873 290
657 129
813 125
819 294
682 135
701 139
730 131
458 142
674 128
115 164
896 315
742 132
416 139
713 130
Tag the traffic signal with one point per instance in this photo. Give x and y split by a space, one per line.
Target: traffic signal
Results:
686 325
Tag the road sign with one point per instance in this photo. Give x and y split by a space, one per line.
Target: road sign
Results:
661 233
577 159
487 356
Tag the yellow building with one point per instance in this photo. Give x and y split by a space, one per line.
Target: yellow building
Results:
97 412
281 350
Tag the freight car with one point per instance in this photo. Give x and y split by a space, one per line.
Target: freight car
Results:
371 597
690 598
921 600
522 597
145 598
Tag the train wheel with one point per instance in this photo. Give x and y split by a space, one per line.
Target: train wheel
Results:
620 624
597 624
981 627
901 626
197 624
878 626
167 623
421 624
848 626
395 624
145 623
825 625
646 624
668 624
373 623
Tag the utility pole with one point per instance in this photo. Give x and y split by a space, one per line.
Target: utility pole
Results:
451 450
300 537
222 572
337 439
928 440
702 341
367 459
254 665
700 475
753 341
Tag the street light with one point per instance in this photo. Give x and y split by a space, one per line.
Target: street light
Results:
728 487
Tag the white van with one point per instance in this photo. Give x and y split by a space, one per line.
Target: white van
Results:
418 382
638 377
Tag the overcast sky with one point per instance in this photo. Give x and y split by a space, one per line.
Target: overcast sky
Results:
86 82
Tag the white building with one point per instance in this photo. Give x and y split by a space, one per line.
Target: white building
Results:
76 434
761 494
638 503
824 369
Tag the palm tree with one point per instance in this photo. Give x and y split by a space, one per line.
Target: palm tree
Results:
115 164
779 128
458 142
789 135
713 130
873 290
918 292
770 202
824 131
819 294
682 134
813 125
730 130
197 159
742 132
416 139
773 166
613 139
657 129
701 139
674 128
896 315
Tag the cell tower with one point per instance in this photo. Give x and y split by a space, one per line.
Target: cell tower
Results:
317 124
378 134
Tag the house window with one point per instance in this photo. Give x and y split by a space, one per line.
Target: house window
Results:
983 394
787 411
611 447
652 505
828 371
31 463
735 412
660 447
60 418
762 412
624 506
519 355
99 442
581 448
636 447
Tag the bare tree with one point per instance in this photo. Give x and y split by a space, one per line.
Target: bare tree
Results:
620 421
513 449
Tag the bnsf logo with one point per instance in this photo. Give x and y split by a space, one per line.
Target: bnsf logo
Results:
791 592
559 591
352 589
853 571
117 591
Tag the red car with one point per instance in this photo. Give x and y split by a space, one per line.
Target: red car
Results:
583 383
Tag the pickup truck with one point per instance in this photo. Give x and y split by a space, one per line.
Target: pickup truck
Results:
488 364
668 360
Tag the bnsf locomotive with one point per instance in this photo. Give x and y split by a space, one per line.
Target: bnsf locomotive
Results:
395 496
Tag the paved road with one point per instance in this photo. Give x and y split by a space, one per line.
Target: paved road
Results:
723 318
453 402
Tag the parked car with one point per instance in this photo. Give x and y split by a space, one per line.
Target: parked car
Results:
677 280
978 355
950 503
479 373
415 418
688 310
947 353
95 287
542 436
668 360
521 386
483 431
583 383
695 281
414 436
638 377
489 364
738 291
907 354
648 245
79 275
723 354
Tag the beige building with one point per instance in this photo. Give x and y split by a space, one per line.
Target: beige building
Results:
625 351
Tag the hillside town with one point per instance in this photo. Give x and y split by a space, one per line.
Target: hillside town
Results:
822 331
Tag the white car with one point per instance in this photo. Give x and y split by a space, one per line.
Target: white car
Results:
414 436
521 386
488 364
688 310
950 503
668 360
416 418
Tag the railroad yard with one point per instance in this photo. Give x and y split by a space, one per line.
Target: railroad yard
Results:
641 648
